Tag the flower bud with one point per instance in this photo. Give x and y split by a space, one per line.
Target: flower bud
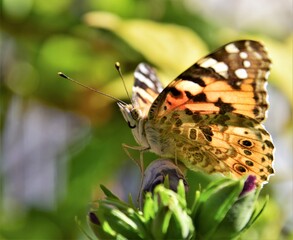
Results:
226 208
157 172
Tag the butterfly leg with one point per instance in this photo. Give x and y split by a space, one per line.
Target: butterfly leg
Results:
175 160
141 150
140 163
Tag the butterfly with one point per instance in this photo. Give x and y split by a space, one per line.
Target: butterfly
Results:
209 117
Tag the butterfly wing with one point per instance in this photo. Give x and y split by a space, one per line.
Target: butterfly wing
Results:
229 143
209 116
146 88
231 79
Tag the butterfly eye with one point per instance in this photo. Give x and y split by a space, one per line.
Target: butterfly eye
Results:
132 119
134 114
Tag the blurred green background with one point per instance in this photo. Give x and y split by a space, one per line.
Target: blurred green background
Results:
59 141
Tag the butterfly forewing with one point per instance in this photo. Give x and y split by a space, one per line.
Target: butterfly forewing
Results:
231 79
146 88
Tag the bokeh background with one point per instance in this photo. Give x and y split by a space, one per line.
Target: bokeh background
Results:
60 141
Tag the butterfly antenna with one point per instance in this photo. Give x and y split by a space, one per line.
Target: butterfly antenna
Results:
90 88
117 66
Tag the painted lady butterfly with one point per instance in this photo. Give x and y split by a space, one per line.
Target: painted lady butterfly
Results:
209 117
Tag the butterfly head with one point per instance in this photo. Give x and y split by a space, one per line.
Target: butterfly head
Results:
135 120
130 114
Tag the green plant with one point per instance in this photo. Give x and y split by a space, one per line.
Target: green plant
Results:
223 210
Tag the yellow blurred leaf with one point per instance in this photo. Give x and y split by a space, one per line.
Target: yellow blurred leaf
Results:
172 48
282 75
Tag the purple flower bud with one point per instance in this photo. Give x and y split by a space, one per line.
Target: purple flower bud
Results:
249 185
156 173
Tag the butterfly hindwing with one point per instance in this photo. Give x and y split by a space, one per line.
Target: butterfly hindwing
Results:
229 143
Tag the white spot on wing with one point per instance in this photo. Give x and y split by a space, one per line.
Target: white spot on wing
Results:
220 67
243 55
246 63
241 73
231 48
192 87
207 62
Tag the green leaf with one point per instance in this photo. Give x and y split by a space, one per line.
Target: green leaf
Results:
126 220
156 224
257 213
196 204
130 201
179 220
107 192
181 190
103 232
238 216
215 202
149 207
166 221
121 224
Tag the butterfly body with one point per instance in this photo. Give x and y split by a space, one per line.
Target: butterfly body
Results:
209 117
